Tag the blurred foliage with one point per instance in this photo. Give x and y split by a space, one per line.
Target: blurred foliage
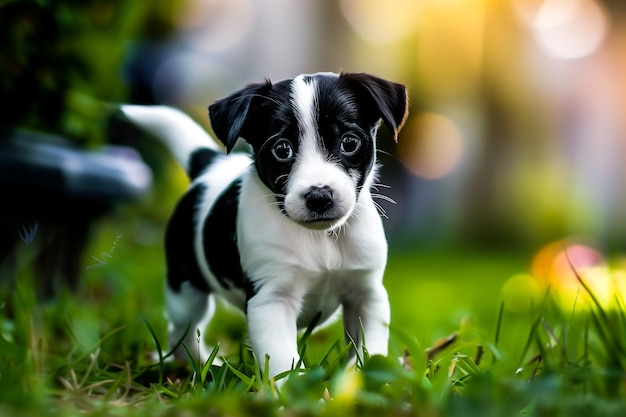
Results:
61 60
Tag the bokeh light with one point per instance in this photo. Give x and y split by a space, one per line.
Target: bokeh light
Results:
565 29
214 25
382 22
526 10
432 146
559 265
551 264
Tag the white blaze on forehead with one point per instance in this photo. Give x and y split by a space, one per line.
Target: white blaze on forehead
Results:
304 102
304 98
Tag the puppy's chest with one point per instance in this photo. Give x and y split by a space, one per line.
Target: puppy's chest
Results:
321 273
325 255
323 294
318 265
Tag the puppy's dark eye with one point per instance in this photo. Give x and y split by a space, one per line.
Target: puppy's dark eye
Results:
282 150
349 145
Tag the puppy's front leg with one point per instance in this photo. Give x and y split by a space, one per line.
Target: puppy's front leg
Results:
366 315
272 325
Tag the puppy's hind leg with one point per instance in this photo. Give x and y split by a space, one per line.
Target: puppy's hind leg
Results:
189 311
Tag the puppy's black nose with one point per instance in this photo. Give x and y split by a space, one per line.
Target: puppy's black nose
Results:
319 199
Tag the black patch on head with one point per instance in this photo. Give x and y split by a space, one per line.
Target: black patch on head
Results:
273 118
200 159
380 99
341 114
263 114
230 116
220 239
180 256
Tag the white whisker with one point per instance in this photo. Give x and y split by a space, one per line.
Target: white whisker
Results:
384 197
381 151
381 185
280 177
380 210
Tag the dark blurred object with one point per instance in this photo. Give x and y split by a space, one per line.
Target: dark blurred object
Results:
52 193
61 58
36 78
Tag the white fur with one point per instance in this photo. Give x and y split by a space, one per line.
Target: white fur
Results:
177 130
303 100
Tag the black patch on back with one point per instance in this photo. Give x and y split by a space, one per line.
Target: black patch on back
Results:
220 239
180 256
200 159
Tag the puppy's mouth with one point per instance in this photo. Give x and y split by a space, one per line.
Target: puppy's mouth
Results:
317 221
321 222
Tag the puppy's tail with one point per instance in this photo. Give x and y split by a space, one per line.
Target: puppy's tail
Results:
190 144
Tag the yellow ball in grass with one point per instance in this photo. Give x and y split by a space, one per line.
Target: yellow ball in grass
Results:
521 292
347 386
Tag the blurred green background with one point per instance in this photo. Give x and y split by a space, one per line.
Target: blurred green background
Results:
516 136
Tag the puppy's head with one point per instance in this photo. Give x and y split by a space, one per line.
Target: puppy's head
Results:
313 137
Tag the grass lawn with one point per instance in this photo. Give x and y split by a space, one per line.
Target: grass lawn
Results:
464 342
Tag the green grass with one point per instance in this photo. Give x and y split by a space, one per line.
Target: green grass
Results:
457 349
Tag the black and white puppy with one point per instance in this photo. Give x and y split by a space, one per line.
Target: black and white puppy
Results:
289 234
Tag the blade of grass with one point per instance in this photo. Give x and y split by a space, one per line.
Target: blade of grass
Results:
157 345
249 381
161 389
529 341
179 342
222 378
333 347
499 325
207 365
467 364
190 358
342 356
553 337
611 337
352 344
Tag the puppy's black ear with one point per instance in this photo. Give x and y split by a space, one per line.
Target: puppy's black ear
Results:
229 115
390 99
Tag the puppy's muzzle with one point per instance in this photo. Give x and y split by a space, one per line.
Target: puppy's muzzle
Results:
319 200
